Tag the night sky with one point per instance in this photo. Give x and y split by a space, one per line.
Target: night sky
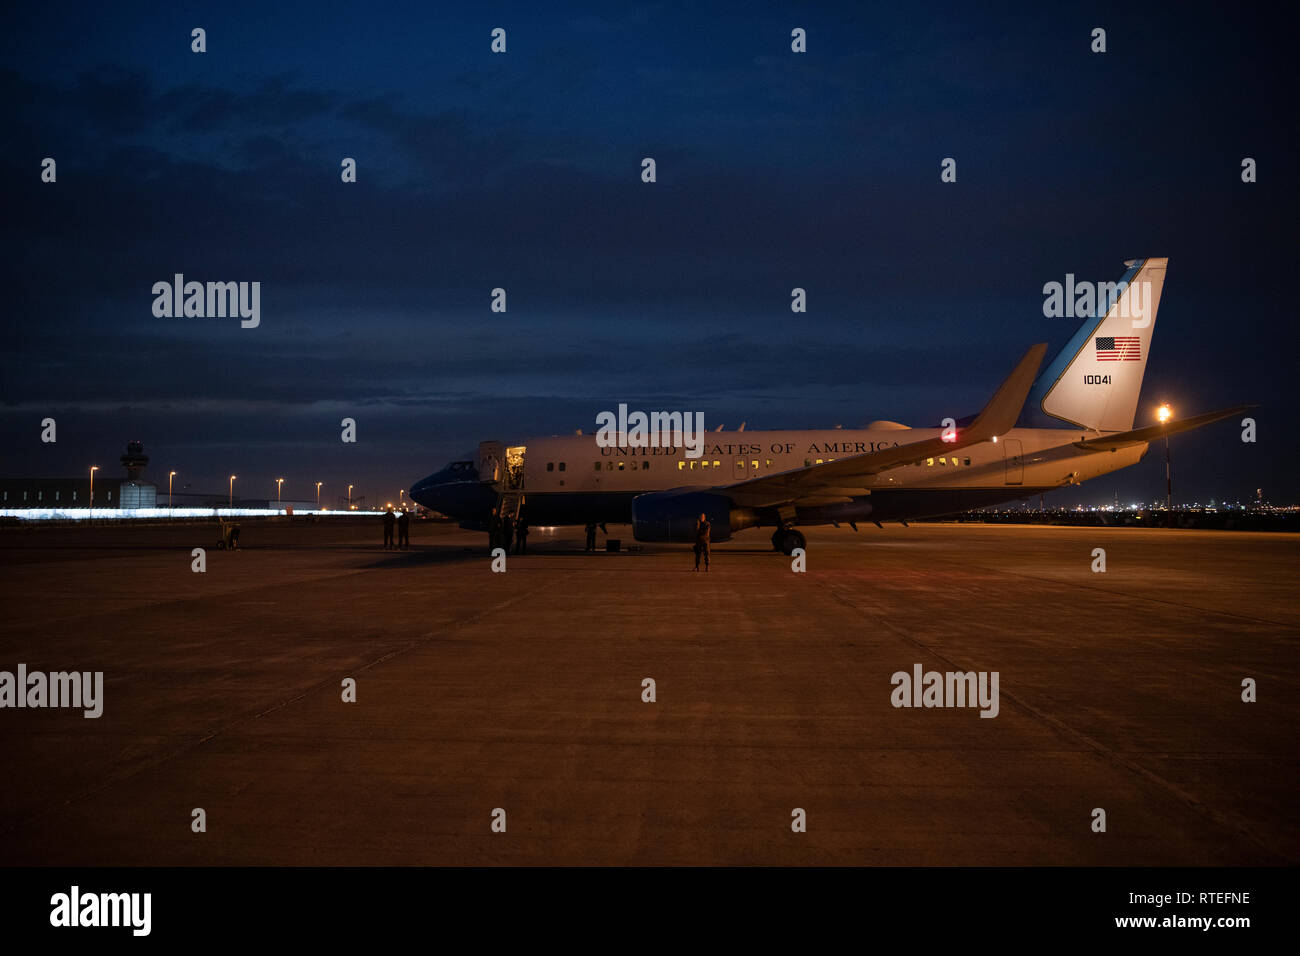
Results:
523 171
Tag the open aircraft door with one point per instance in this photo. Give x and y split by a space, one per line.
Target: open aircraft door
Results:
514 470
491 461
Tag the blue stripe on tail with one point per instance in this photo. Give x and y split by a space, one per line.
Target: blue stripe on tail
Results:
1032 415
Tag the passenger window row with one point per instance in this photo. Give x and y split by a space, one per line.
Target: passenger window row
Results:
705 463
741 464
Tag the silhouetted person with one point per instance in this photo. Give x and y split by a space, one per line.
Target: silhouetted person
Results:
494 530
507 533
390 520
591 536
702 530
521 537
404 531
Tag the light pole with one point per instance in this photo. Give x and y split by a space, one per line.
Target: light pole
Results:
93 469
401 499
318 484
1164 413
232 491
170 476
278 483
349 497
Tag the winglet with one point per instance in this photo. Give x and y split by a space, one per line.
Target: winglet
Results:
1000 414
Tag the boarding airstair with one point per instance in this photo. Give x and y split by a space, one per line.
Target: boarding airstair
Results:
509 504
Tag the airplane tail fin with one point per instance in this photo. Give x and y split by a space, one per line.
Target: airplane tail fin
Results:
1094 382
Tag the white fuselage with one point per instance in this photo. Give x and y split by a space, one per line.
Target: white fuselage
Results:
575 480
1024 458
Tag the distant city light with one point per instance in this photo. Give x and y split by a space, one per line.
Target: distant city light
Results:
82 514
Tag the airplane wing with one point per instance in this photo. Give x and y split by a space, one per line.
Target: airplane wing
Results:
1140 436
842 479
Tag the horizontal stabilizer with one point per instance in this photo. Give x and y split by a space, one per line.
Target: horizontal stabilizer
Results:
1140 436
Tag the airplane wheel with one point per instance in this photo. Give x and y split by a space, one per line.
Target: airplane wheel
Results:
791 539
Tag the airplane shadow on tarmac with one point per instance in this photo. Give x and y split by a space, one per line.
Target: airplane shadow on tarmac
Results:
426 555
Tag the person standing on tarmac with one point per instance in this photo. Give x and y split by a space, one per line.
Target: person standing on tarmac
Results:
507 533
702 530
521 536
404 531
591 536
390 519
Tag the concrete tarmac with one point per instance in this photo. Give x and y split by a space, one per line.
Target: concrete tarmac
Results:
523 691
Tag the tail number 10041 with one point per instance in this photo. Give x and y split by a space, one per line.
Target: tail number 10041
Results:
1096 380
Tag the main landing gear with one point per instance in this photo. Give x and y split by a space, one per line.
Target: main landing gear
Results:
786 540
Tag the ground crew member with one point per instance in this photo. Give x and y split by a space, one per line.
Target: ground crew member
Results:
390 519
404 531
591 536
702 529
521 537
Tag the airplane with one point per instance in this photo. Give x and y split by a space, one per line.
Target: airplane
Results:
1037 432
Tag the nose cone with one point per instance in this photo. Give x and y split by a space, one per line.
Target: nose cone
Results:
425 491
455 491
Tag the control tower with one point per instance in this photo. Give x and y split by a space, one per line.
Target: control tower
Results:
135 493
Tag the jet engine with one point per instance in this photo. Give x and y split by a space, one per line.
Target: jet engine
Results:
671 515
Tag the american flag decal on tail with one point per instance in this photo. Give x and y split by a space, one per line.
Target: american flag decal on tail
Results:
1119 348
